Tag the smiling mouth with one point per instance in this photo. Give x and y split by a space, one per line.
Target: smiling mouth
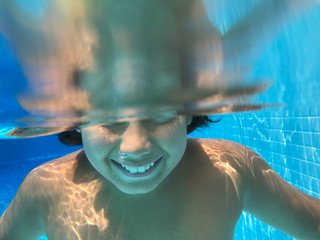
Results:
137 171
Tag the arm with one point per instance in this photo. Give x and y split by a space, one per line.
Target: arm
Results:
24 219
277 203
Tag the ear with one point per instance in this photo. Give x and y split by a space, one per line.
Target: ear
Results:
189 119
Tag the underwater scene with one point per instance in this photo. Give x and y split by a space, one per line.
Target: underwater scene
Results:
127 81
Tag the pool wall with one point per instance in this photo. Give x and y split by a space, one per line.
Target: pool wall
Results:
287 137
289 141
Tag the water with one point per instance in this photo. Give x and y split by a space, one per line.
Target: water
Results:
289 141
133 58
287 137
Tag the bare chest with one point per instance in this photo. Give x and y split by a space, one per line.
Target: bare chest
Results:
199 200
194 212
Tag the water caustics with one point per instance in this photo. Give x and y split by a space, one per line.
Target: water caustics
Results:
111 60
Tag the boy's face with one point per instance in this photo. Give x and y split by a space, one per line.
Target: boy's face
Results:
151 149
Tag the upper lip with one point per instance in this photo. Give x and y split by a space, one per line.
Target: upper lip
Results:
134 164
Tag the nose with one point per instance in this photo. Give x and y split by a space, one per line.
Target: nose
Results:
135 140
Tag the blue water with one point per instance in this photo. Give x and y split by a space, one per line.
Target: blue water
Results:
288 137
289 141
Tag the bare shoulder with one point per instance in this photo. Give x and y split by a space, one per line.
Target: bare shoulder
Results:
265 194
49 175
223 150
40 192
62 173
218 144
62 165
230 162
52 171
231 158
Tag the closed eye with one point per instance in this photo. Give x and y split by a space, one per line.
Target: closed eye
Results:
162 119
113 124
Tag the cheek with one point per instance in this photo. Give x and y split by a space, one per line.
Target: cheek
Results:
174 134
97 142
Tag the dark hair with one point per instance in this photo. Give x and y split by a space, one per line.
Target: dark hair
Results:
198 122
73 137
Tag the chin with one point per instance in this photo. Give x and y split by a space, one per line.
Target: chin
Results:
136 190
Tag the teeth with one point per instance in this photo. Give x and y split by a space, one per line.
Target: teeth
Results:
140 169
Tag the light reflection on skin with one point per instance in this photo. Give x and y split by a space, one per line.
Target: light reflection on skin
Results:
204 195
74 188
221 163
74 209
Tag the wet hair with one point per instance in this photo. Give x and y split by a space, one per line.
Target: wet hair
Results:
199 122
73 137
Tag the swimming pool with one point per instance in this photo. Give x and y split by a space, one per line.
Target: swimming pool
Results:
287 137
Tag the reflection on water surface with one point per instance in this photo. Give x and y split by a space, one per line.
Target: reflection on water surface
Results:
90 62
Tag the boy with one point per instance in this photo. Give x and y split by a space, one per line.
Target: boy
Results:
143 179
